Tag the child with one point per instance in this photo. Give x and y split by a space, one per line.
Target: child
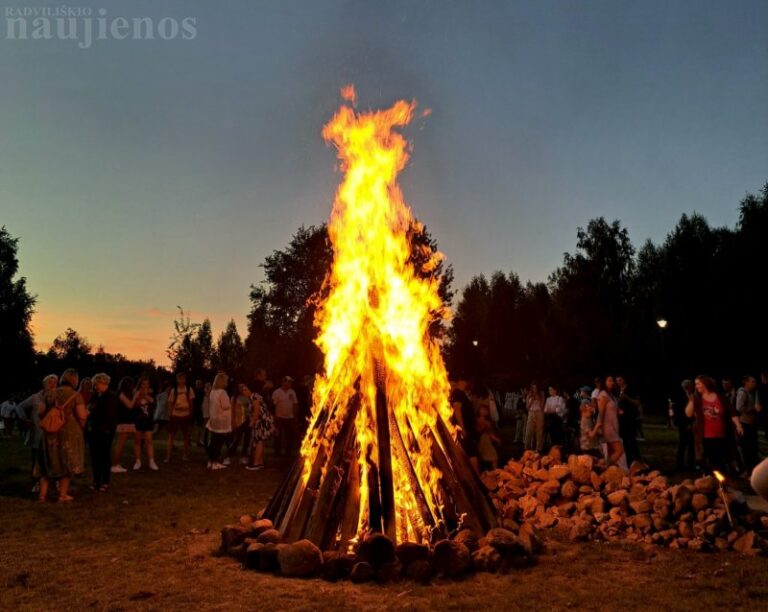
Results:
587 443
486 441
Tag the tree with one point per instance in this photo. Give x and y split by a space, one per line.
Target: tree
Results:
281 328
71 348
230 351
204 340
16 309
184 351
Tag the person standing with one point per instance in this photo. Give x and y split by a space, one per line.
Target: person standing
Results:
100 427
262 428
144 405
31 409
197 411
126 425
554 415
713 422
629 409
534 427
161 408
63 450
180 404
286 408
686 446
220 421
748 409
241 424
608 423
464 415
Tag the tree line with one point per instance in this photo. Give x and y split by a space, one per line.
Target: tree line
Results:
598 312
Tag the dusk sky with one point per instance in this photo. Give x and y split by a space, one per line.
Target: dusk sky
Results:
145 174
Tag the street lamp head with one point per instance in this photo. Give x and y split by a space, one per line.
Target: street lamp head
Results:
475 342
662 323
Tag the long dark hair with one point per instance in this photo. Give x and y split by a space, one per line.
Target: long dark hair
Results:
126 386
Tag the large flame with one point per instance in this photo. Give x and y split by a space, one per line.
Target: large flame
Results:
374 323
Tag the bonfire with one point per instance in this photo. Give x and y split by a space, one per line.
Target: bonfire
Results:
382 452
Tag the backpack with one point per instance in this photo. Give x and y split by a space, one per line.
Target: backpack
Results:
54 419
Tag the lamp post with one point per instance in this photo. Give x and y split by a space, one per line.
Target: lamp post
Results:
662 325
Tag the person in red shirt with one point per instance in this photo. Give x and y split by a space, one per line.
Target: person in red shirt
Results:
714 420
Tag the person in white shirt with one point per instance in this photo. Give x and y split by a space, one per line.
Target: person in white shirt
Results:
286 405
220 420
554 415
8 412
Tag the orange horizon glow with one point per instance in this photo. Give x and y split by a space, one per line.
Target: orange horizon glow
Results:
136 334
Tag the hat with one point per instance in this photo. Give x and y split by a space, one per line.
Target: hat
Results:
287 379
586 388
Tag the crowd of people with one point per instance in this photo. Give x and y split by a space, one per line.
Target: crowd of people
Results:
717 425
232 420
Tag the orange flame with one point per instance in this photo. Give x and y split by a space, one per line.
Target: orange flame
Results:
374 323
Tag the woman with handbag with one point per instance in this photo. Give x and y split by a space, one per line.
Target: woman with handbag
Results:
63 445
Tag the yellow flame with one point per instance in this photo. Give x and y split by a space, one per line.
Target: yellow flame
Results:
374 323
719 476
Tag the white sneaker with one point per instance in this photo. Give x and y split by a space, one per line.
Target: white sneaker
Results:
218 466
226 461
153 466
137 465
118 469
244 460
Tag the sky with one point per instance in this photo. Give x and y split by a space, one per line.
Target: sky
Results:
142 175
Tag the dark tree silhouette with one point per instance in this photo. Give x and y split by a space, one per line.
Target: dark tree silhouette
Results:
16 308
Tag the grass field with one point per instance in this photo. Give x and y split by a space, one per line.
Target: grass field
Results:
150 544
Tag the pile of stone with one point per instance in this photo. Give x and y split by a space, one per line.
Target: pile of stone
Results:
259 546
584 499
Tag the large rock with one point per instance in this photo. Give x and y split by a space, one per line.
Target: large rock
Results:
486 559
270 536
231 536
361 572
376 549
613 474
617 497
581 468
257 527
470 539
451 558
705 485
559 472
569 490
336 565
683 497
390 571
301 559
699 501
529 540
408 552
501 539
419 571
268 557
252 556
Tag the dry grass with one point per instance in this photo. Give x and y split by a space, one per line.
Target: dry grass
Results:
134 548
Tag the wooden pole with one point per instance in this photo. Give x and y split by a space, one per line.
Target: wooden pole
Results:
403 455
386 480
462 503
468 477
334 476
